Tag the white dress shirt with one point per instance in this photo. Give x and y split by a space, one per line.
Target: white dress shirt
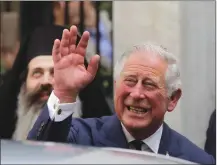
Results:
74 109
66 109
153 141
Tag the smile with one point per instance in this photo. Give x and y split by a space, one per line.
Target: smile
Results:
138 110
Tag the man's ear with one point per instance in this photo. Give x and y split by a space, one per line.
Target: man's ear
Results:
173 100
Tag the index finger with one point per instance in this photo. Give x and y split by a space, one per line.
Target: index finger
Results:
82 45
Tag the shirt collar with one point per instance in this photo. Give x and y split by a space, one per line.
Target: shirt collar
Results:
152 141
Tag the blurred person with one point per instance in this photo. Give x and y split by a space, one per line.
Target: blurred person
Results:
89 25
30 85
8 55
210 144
9 40
147 85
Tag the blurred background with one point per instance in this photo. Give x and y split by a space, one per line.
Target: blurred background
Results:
186 28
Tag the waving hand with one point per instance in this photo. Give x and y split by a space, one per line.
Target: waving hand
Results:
70 73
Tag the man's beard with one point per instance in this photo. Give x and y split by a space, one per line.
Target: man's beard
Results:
33 98
29 107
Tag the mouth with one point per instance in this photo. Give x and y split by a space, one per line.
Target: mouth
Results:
138 110
44 95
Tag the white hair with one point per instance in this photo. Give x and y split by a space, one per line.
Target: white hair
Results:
173 81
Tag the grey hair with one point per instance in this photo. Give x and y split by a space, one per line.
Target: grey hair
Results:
173 80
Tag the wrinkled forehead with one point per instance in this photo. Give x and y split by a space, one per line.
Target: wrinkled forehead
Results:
146 60
41 61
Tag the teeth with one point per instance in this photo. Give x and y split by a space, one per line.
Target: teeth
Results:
137 110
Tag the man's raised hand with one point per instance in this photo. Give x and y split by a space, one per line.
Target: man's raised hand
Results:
70 73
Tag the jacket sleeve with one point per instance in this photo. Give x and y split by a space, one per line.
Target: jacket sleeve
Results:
45 129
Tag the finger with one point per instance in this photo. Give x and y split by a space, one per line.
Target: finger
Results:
93 65
82 45
73 39
56 51
64 44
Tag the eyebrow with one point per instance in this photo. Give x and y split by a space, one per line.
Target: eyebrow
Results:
40 68
37 68
134 75
153 80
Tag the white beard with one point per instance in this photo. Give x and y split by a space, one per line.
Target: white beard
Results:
26 115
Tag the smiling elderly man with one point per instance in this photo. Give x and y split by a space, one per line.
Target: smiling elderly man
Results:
147 85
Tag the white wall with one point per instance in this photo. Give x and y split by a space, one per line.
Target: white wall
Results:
187 30
198 67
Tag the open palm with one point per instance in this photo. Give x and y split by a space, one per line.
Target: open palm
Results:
70 73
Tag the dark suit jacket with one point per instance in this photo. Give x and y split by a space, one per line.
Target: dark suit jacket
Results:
210 144
107 132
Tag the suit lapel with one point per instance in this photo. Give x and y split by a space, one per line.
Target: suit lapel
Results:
168 145
164 142
111 135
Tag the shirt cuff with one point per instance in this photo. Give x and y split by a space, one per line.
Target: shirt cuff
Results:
60 111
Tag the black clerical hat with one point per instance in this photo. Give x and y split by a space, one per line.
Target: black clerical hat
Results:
38 42
41 41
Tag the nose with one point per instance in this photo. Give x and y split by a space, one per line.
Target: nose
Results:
137 92
47 79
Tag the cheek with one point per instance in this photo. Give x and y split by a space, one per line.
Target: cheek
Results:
32 84
157 99
122 91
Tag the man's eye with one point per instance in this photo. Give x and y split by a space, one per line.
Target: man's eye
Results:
130 82
52 72
37 73
149 85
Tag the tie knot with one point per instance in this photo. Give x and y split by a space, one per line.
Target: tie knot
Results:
137 144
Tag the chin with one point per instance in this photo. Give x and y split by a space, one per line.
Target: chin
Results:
135 124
